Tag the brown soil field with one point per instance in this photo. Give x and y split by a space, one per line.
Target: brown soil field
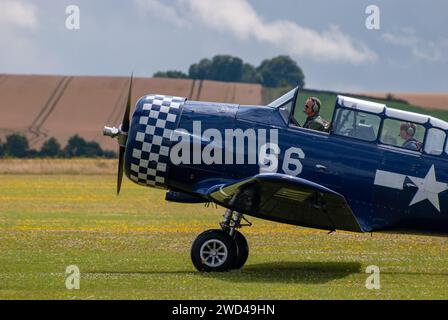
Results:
61 106
427 100
23 100
241 93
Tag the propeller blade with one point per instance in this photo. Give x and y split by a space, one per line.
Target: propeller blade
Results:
125 123
124 128
120 168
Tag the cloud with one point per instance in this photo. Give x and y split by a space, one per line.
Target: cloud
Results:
14 13
162 11
432 51
239 18
424 50
18 32
405 40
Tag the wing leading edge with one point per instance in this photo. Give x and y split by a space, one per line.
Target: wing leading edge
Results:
283 198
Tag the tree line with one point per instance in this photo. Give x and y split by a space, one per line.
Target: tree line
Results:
17 146
280 71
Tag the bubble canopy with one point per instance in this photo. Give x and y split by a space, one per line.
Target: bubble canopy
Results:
378 108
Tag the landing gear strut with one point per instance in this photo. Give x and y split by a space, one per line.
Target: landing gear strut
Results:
221 249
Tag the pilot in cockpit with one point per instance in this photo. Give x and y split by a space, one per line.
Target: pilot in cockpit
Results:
314 121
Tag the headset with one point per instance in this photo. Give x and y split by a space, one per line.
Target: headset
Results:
316 104
409 128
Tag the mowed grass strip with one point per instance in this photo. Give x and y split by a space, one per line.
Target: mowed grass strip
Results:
137 246
83 166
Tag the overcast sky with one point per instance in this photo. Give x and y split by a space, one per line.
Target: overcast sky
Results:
328 39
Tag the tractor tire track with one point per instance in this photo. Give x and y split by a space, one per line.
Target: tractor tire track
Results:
198 96
32 128
233 93
193 84
48 108
230 93
120 103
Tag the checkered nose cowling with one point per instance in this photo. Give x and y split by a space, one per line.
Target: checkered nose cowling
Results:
149 140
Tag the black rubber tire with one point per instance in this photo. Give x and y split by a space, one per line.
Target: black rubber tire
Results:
242 251
223 237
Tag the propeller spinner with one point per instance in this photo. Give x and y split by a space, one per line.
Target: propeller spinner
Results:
121 133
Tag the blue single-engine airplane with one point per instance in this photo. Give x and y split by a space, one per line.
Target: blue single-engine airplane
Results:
258 161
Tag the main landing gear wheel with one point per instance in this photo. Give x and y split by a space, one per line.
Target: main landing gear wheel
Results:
242 250
213 250
221 250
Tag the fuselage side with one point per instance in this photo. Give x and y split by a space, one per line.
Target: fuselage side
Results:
225 141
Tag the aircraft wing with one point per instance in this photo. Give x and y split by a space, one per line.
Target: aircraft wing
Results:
283 198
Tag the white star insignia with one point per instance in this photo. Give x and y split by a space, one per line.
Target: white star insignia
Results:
428 188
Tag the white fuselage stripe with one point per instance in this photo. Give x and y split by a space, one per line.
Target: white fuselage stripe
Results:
389 179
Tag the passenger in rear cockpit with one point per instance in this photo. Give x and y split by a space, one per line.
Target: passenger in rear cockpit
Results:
407 132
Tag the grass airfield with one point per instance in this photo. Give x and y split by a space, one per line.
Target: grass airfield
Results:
137 246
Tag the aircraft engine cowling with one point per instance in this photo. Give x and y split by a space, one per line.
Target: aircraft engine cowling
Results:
149 139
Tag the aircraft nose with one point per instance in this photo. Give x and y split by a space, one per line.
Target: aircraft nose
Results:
150 138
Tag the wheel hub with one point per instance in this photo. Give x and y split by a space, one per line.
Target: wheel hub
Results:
213 253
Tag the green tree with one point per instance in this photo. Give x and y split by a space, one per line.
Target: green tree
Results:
250 74
93 149
51 148
109 154
201 70
226 68
170 74
281 71
2 153
78 147
219 68
75 147
16 145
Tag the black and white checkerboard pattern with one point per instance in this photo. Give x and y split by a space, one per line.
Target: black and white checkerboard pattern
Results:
151 145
